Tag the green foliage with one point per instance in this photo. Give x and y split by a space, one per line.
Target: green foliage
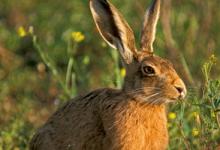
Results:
197 125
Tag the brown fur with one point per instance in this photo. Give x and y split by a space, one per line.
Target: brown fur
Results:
104 119
133 118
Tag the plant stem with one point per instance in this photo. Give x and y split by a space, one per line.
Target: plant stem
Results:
49 64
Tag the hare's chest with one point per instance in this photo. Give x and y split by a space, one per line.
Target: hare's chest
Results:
137 128
154 126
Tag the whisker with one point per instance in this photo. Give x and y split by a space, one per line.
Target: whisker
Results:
159 101
146 89
151 98
143 88
154 95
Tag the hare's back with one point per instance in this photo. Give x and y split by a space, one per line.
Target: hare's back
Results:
75 125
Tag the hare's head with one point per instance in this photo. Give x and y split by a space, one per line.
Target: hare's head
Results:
150 76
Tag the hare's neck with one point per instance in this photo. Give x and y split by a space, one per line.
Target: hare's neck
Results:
152 116
129 84
155 123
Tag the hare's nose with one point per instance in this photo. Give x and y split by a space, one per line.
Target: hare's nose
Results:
181 91
181 88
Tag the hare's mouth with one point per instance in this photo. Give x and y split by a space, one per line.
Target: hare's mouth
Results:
173 100
163 100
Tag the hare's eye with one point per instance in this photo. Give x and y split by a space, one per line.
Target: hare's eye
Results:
148 70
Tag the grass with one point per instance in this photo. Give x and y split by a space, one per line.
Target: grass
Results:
197 122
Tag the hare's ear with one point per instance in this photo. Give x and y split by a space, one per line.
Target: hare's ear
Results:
149 26
113 28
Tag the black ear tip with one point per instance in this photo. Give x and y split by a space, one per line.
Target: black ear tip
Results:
155 3
101 1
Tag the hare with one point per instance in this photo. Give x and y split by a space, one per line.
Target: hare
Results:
131 118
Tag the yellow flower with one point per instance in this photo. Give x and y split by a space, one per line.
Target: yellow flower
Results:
195 132
31 30
213 115
123 72
213 59
77 37
172 115
195 114
21 31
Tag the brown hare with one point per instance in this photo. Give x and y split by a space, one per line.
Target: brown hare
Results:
131 118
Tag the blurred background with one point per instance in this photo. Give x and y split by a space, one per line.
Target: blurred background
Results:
51 51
